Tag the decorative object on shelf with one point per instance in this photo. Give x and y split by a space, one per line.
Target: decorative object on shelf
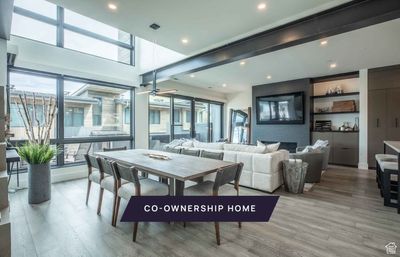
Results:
323 125
37 152
294 174
334 91
330 91
338 90
323 109
356 122
346 127
344 106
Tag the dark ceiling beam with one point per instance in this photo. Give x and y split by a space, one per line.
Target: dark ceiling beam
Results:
6 11
344 18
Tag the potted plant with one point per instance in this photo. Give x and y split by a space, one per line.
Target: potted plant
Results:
38 117
38 157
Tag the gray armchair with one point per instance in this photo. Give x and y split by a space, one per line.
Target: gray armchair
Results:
315 164
325 150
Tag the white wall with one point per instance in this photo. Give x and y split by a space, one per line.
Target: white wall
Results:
150 55
40 56
363 134
237 101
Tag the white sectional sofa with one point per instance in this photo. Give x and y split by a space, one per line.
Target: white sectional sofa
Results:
261 170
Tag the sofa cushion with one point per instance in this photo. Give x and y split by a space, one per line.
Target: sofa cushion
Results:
215 146
245 148
270 147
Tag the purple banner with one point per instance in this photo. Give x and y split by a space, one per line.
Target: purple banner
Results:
200 208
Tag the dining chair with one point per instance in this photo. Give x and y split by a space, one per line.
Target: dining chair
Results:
105 149
109 183
136 187
211 155
190 152
94 174
224 176
172 150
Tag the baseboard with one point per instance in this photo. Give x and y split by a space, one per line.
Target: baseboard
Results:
363 166
57 175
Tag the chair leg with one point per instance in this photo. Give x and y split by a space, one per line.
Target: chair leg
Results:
135 228
113 220
240 224
88 191
217 233
118 201
100 200
184 224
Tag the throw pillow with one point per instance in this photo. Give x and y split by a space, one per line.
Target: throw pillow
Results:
188 143
270 148
320 144
176 142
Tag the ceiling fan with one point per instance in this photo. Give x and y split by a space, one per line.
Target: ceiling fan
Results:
156 91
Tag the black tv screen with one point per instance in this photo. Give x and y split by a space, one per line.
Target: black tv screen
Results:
280 109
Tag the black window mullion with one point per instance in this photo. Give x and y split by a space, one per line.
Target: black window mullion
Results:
132 114
35 16
60 26
96 36
60 119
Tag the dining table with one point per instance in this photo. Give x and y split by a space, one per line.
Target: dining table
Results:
177 168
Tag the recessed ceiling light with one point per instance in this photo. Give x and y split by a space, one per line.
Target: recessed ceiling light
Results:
332 65
112 6
269 77
185 41
224 85
262 6
323 42
242 63
192 75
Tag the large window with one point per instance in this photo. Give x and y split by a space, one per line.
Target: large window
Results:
207 117
155 116
39 20
27 85
96 114
102 109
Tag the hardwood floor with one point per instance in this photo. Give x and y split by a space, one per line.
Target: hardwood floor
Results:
341 216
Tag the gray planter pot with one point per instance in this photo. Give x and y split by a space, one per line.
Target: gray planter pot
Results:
39 183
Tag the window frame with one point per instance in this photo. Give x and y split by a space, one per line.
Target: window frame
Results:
61 26
158 117
192 122
59 139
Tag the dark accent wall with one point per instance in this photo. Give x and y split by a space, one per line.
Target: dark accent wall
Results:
299 133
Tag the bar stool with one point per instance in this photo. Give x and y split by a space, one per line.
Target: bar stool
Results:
380 158
390 187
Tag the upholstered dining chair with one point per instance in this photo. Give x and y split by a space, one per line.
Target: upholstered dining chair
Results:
172 150
212 155
190 152
94 174
105 149
135 187
109 183
224 176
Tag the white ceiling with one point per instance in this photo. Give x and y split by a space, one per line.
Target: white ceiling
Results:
206 24
370 47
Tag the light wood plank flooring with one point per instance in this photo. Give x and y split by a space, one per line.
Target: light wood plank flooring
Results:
341 216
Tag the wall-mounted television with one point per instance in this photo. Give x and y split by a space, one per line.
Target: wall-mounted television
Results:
280 109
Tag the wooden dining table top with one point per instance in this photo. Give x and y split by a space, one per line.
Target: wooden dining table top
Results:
178 166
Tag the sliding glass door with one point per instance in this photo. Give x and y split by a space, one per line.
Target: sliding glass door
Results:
182 118
177 117
201 123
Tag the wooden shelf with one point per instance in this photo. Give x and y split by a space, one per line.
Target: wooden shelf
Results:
328 113
329 96
336 131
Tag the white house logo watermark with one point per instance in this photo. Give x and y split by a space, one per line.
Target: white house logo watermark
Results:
391 248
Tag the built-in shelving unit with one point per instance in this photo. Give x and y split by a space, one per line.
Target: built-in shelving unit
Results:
344 144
